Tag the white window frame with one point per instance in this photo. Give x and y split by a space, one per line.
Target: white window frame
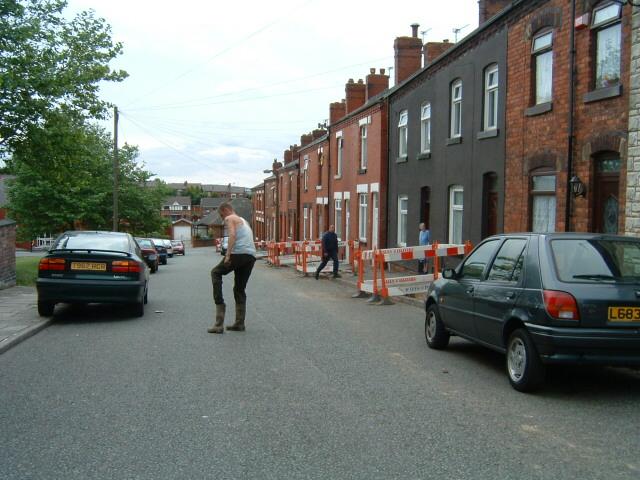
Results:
306 172
612 21
305 219
338 217
363 147
456 109
539 195
363 211
453 209
538 50
340 145
403 133
425 128
491 80
402 212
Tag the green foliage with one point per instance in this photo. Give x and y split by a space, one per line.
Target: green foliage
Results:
50 64
64 181
27 271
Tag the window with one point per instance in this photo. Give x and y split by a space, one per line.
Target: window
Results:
476 263
305 173
304 222
607 30
425 128
402 134
507 265
456 109
320 164
456 197
363 147
542 50
339 161
491 98
362 218
543 203
338 210
403 207
290 187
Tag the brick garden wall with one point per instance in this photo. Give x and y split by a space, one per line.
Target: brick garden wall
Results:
7 253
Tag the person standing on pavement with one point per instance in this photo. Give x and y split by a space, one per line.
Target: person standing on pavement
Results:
424 238
239 259
329 251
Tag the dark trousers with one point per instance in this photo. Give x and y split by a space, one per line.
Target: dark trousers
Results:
241 266
325 259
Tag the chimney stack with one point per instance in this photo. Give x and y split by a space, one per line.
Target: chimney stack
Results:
376 83
355 95
337 110
317 133
287 156
490 8
408 55
433 50
305 139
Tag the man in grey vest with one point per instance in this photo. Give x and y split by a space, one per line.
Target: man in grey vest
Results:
239 259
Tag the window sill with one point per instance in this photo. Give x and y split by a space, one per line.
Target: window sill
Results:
539 109
602 94
337 177
363 240
488 134
424 156
454 141
362 171
318 187
402 159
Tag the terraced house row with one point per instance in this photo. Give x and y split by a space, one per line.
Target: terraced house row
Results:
530 123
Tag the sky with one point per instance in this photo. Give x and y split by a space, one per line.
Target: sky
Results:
217 90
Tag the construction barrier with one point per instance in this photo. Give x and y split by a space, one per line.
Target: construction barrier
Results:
308 255
381 287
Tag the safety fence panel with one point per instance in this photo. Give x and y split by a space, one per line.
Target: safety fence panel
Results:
309 256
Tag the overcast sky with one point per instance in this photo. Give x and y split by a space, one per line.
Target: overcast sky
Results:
217 90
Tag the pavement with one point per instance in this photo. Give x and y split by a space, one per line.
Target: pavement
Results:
19 317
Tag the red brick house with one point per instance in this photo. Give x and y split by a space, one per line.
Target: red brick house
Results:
314 185
288 195
567 116
271 204
258 200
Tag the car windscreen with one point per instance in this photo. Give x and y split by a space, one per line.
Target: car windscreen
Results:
94 241
597 260
145 244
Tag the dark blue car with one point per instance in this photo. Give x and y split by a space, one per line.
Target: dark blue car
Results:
542 299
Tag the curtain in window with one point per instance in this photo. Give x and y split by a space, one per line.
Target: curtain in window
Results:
608 57
544 213
544 77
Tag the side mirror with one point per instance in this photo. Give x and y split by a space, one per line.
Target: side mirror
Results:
449 273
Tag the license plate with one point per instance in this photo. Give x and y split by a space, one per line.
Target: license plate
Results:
624 314
91 266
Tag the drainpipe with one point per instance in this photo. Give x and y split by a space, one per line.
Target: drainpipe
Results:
572 91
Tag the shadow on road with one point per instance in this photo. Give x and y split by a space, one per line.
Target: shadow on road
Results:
94 313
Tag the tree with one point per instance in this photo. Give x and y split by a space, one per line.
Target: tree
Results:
64 181
49 63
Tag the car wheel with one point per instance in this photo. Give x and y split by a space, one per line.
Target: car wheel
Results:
138 308
45 309
164 261
524 367
436 335
146 297
154 268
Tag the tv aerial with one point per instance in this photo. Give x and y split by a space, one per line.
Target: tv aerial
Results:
456 31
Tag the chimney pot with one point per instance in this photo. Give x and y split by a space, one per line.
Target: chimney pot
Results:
414 29
372 70
350 80
382 70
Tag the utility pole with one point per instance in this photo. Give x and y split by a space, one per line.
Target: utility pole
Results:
116 169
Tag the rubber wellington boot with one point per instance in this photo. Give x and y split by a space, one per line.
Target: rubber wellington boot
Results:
241 309
218 325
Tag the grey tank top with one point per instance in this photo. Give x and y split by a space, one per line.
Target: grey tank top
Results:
244 240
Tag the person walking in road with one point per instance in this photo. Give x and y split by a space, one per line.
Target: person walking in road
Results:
424 238
329 251
239 259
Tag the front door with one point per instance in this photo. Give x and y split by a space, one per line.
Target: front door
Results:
374 221
606 194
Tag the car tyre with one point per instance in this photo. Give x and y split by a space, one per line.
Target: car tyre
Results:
146 297
154 268
435 333
138 308
525 370
45 309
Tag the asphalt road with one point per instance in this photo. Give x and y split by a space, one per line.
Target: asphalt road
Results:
320 386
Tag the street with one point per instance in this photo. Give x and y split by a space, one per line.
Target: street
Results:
320 386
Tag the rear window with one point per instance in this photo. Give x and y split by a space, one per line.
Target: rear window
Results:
145 243
95 241
596 260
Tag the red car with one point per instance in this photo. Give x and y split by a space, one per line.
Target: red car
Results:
150 253
178 247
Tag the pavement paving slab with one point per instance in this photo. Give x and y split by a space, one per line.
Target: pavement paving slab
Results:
19 317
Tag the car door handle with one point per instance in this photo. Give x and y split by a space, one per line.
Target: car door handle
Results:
470 290
511 295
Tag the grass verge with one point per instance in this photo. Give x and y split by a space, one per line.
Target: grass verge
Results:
27 271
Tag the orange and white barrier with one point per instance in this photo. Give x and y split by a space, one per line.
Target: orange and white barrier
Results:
382 287
309 255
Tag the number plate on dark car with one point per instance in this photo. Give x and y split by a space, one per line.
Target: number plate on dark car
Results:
91 266
624 314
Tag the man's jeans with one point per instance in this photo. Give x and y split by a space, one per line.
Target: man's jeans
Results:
325 259
241 265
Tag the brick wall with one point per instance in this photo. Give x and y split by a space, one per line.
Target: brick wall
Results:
632 226
7 253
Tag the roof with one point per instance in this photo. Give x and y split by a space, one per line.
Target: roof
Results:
242 207
179 200
3 188
211 202
223 188
183 220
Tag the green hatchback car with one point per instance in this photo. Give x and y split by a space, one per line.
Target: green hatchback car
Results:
543 299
